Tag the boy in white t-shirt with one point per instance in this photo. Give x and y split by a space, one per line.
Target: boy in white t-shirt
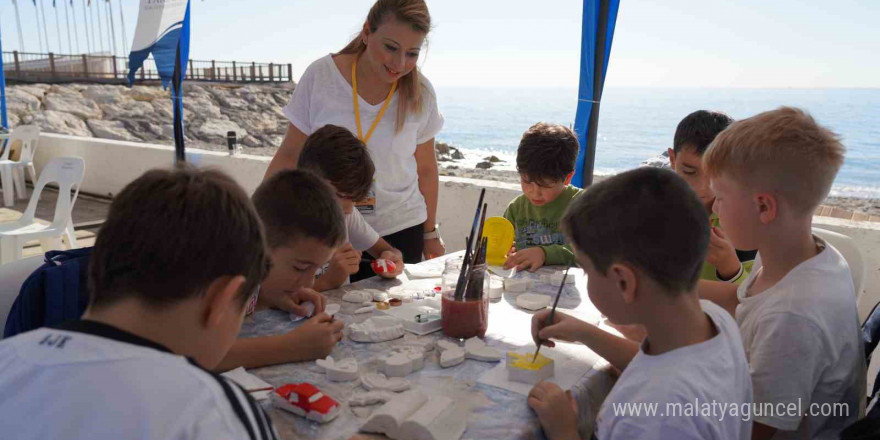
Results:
341 159
797 310
641 237
177 259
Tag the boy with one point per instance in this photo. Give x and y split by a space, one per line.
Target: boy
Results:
304 227
692 136
545 161
342 160
177 259
642 268
797 310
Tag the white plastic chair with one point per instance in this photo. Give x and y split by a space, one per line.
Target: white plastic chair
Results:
11 171
68 173
853 256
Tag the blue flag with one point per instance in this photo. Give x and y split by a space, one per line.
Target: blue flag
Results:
163 30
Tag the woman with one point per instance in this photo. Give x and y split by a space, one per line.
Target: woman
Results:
353 88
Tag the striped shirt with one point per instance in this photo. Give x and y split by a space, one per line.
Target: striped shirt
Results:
88 380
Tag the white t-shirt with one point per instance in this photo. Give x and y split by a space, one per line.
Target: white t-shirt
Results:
802 341
94 381
323 96
358 232
693 390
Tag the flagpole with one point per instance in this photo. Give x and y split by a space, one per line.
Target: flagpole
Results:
100 29
86 22
111 28
124 34
67 23
18 23
58 28
45 32
75 27
37 16
3 120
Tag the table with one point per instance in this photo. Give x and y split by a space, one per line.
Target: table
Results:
494 413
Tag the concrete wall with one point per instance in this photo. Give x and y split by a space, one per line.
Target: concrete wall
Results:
110 165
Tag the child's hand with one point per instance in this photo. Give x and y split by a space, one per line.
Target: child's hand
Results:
556 410
291 301
722 254
303 295
563 328
317 336
346 259
531 259
397 258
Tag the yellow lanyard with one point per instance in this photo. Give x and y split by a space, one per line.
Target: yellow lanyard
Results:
357 112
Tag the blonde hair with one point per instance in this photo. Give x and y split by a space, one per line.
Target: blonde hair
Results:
782 150
412 12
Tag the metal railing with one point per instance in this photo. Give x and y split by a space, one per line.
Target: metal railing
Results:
102 67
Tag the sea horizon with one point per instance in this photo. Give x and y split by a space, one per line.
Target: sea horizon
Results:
637 123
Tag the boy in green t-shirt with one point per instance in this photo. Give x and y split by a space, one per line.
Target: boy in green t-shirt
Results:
692 137
545 160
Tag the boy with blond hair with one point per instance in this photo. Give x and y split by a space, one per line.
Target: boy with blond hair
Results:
797 310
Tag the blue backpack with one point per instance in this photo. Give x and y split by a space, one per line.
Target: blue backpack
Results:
56 292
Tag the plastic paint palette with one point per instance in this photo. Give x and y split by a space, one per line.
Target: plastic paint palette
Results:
428 311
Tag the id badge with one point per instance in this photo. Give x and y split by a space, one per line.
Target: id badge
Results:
368 205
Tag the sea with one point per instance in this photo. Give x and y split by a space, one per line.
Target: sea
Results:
637 124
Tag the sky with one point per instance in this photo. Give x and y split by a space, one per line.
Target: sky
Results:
531 43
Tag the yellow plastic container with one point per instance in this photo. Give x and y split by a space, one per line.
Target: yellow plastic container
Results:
500 232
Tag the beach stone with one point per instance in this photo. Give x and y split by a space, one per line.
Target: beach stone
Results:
73 104
251 141
456 154
52 121
493 159
110 130
485 165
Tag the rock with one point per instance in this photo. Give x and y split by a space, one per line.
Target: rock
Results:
36 90
203 106
163 109
72 104
214 130
493 159
442 148
19 101
148 94
167 131
456 154
106 94
130 110
258 123
13 120
485 165
52 121
659 161
110 130
251 141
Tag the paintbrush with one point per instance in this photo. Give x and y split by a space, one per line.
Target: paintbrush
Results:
552 311
462 276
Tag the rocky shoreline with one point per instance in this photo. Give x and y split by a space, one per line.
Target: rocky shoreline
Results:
253 112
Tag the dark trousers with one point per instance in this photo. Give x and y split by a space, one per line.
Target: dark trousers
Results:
410 242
